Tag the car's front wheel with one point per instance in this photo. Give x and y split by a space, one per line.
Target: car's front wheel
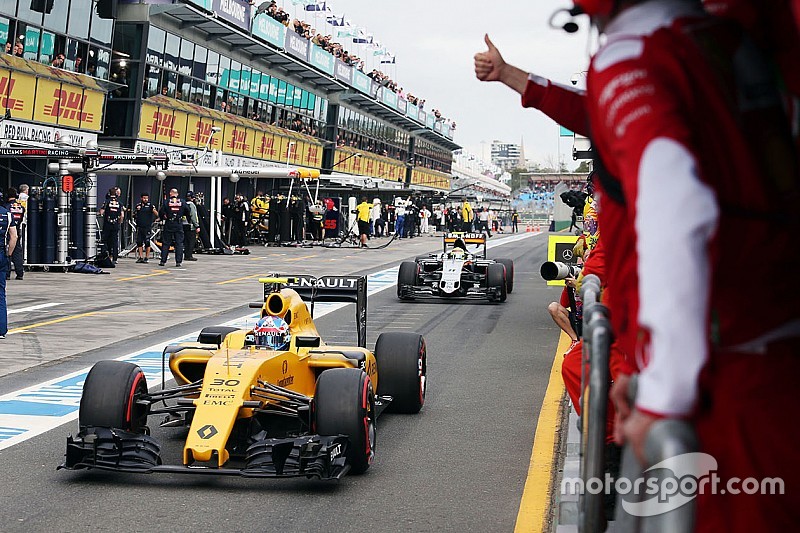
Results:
509 264
110 397
344 404
402 360
407 276
496 279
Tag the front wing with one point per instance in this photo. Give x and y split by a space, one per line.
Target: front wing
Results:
312 456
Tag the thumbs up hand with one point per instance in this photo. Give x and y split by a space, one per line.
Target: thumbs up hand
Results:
489 64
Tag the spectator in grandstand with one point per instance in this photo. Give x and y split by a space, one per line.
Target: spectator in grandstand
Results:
687 143
19 49
79 66
58 61
9 47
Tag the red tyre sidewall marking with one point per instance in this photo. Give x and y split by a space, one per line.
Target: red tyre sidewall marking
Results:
139 377
364 404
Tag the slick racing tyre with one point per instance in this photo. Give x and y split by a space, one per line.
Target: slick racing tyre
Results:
110 392
496 279
509 264
402 370
214 334
408 276
344 404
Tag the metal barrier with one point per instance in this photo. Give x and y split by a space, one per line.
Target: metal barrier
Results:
666 439
594 403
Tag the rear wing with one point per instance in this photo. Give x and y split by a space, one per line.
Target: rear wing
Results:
347 289
468 238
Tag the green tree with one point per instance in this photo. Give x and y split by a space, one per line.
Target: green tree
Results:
585 166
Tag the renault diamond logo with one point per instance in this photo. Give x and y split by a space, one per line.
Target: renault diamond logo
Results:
207 431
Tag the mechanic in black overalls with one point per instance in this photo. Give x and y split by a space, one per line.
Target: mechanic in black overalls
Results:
113 215
144 215
17 215
8 233
297 208
278 221
172 211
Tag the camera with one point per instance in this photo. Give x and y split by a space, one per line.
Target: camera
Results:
574 199
554 270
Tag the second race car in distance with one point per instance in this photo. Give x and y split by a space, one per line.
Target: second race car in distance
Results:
457 272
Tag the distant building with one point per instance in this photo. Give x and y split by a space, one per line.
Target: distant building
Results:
507 155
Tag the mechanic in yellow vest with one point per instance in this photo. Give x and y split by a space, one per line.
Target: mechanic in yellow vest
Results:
467 216
363 211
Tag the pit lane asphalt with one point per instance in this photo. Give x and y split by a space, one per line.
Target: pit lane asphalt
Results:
459 465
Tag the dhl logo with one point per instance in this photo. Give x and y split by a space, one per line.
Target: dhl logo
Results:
163 125
239 141
267 147
69 105
202 133
6 88
370 166
312 153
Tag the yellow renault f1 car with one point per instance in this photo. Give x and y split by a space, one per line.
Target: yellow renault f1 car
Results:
271 401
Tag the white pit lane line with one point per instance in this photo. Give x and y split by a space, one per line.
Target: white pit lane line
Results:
29 412
33 308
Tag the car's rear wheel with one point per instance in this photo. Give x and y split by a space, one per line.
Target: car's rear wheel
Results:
496 279
402 370
110 394
509 264
407 276
214 334
344 404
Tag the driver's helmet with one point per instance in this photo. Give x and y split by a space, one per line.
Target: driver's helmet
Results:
459 243
272 332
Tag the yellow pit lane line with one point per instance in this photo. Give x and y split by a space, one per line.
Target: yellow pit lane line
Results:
534 506
154 273
25 329
301 258
239 279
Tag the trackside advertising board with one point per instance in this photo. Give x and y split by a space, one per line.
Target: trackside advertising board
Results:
559 250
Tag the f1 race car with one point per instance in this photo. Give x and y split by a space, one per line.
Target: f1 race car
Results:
456 272
271 401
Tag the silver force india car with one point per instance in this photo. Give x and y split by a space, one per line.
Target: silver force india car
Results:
457 272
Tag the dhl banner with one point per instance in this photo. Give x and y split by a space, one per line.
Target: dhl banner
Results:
430 178
50 101
180 123
198 132
369 165
162 124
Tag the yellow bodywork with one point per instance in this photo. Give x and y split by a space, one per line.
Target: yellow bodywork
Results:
232 370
